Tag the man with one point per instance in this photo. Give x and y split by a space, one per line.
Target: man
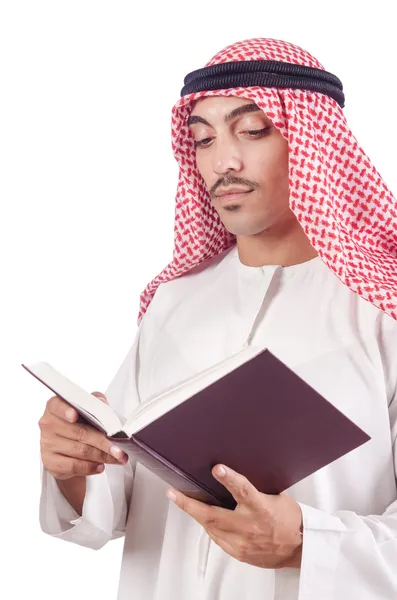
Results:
286 238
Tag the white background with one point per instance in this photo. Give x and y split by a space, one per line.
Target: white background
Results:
87 187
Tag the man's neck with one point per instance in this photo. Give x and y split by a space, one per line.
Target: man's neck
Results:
285 248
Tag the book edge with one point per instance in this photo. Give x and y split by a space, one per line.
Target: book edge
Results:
87 413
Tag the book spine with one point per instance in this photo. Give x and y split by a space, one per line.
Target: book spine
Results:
168 472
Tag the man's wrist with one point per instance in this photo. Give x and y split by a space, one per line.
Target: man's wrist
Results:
294 560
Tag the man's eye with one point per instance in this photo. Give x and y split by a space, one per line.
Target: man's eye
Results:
257 132
254 133
203 142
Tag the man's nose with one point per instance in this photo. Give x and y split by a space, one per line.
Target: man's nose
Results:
226 157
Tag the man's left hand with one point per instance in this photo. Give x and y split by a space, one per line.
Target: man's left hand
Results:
263 530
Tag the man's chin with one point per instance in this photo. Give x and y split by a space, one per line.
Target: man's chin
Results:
243 229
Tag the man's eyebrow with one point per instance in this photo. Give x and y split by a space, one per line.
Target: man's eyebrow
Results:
193 119
241 110
237 112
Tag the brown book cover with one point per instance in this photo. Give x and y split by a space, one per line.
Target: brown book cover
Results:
261 419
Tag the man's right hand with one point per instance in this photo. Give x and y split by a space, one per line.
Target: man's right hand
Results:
70 448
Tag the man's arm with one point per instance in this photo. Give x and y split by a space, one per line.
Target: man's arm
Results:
90 511
350 555
73 490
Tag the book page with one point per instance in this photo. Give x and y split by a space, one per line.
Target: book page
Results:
94 410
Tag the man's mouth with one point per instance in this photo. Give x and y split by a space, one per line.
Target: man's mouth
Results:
231 196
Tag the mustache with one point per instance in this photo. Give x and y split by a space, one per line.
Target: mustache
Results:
232 180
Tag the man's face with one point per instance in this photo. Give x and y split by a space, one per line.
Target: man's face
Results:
239 150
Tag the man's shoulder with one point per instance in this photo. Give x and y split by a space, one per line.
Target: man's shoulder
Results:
172 293
195 277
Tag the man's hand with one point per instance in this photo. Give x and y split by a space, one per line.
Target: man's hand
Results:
263 530
69 448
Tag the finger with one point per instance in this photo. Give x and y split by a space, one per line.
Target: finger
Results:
210 517
63 467
74 449
241 489
100 396
51 426
58 407
62 409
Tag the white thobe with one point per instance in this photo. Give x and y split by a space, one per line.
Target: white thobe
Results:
337 342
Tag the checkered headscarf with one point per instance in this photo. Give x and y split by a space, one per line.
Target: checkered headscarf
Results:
345 208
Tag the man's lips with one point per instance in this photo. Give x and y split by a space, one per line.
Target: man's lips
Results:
232 190
231 195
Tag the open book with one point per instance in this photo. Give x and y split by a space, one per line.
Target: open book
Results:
251 412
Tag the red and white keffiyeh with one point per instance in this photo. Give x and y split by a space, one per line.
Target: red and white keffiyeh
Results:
346 210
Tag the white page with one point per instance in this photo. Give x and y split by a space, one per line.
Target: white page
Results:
88 405
159 405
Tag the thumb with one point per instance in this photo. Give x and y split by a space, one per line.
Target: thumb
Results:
100 396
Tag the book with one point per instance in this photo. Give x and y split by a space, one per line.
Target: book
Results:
250 412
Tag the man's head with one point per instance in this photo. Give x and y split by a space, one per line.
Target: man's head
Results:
238 149
343 206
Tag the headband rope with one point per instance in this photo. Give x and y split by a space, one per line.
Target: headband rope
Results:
264 73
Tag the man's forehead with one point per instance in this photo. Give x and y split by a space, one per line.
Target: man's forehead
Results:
220 100
228 108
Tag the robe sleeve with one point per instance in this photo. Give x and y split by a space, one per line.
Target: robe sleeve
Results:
108 494
347 555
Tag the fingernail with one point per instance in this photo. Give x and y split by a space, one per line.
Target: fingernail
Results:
99 468
70 414
116 452
221 471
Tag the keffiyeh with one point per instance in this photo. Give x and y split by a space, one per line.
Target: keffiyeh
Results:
346 210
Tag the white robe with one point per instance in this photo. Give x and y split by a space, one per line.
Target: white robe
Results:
343 347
